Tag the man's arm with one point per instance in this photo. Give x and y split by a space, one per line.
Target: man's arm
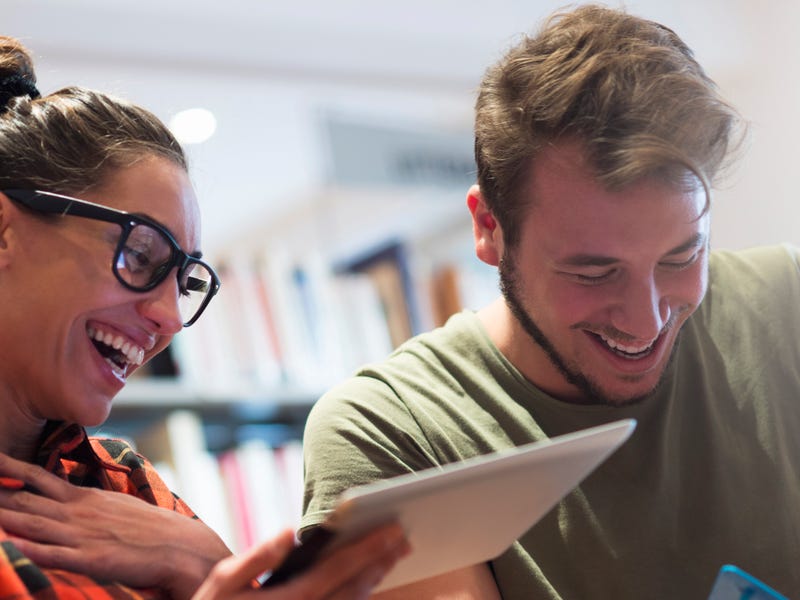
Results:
471 583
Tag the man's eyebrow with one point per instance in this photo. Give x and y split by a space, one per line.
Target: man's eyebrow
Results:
588 260
598 260
698 240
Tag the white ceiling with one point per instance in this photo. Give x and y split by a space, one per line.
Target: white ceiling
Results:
270 69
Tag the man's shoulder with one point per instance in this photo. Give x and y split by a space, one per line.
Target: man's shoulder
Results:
461 327
416 363
756 260
752 295
428 386
755 272
448 348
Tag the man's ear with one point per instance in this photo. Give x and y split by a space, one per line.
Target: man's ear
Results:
485 229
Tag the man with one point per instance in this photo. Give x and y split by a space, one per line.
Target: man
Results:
597 142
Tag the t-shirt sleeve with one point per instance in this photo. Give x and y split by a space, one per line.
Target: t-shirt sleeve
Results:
753 297
357 433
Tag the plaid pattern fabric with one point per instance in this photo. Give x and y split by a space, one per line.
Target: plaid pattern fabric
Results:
107 464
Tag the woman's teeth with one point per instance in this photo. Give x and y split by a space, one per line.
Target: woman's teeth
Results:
126 351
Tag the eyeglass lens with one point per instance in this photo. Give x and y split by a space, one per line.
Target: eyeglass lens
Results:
144 260
196 284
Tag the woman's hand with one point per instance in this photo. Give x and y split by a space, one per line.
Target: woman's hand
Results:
114 536
105 535
349 573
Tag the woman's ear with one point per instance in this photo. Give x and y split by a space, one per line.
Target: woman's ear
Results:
7 214
485 229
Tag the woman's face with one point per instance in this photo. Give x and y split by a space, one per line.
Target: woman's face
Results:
68 316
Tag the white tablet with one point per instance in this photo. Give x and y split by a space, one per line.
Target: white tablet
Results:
467 512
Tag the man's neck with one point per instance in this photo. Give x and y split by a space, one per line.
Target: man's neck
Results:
527 357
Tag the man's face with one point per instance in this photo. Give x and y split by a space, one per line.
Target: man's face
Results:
601 281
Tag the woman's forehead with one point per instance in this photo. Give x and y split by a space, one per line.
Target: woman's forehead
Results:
158 188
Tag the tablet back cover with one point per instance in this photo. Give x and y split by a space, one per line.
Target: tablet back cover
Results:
471 511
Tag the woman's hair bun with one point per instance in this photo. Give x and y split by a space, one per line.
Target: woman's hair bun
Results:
16 85
17 77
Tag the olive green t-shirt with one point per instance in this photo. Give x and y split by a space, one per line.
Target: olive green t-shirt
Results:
710 476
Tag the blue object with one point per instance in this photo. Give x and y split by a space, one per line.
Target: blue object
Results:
733 583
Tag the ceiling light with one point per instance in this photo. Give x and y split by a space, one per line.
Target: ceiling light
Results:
193 126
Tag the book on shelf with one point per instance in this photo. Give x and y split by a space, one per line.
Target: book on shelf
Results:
265 488
446 297
365 333
264 496
303 317
289 464
202 352
177 448
243 529
388 270
291 319
247 493
458 284
283 320
478 283
249 324
267 326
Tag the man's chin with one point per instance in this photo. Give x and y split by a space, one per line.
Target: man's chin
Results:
638 391
630 400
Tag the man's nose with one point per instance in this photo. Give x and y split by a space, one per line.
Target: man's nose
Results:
641 311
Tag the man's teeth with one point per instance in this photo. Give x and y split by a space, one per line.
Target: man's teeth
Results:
626 349
132 353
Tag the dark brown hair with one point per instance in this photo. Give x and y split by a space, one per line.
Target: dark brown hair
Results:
628 89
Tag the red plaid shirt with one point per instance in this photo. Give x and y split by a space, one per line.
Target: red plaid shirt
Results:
67 451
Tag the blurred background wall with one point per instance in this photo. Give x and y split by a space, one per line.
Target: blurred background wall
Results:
333 189
275 73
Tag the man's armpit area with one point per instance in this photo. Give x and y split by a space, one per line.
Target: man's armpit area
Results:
471 583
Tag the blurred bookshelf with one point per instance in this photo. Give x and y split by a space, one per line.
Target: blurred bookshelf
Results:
381 252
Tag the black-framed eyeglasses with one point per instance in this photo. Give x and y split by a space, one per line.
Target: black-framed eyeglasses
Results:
146 252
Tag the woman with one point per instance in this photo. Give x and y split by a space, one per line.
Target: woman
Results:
99 268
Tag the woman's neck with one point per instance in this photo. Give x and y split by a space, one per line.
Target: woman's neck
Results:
19 432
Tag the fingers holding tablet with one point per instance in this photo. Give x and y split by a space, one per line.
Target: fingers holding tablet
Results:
350 571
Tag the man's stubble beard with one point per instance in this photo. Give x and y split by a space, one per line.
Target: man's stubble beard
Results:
592 392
